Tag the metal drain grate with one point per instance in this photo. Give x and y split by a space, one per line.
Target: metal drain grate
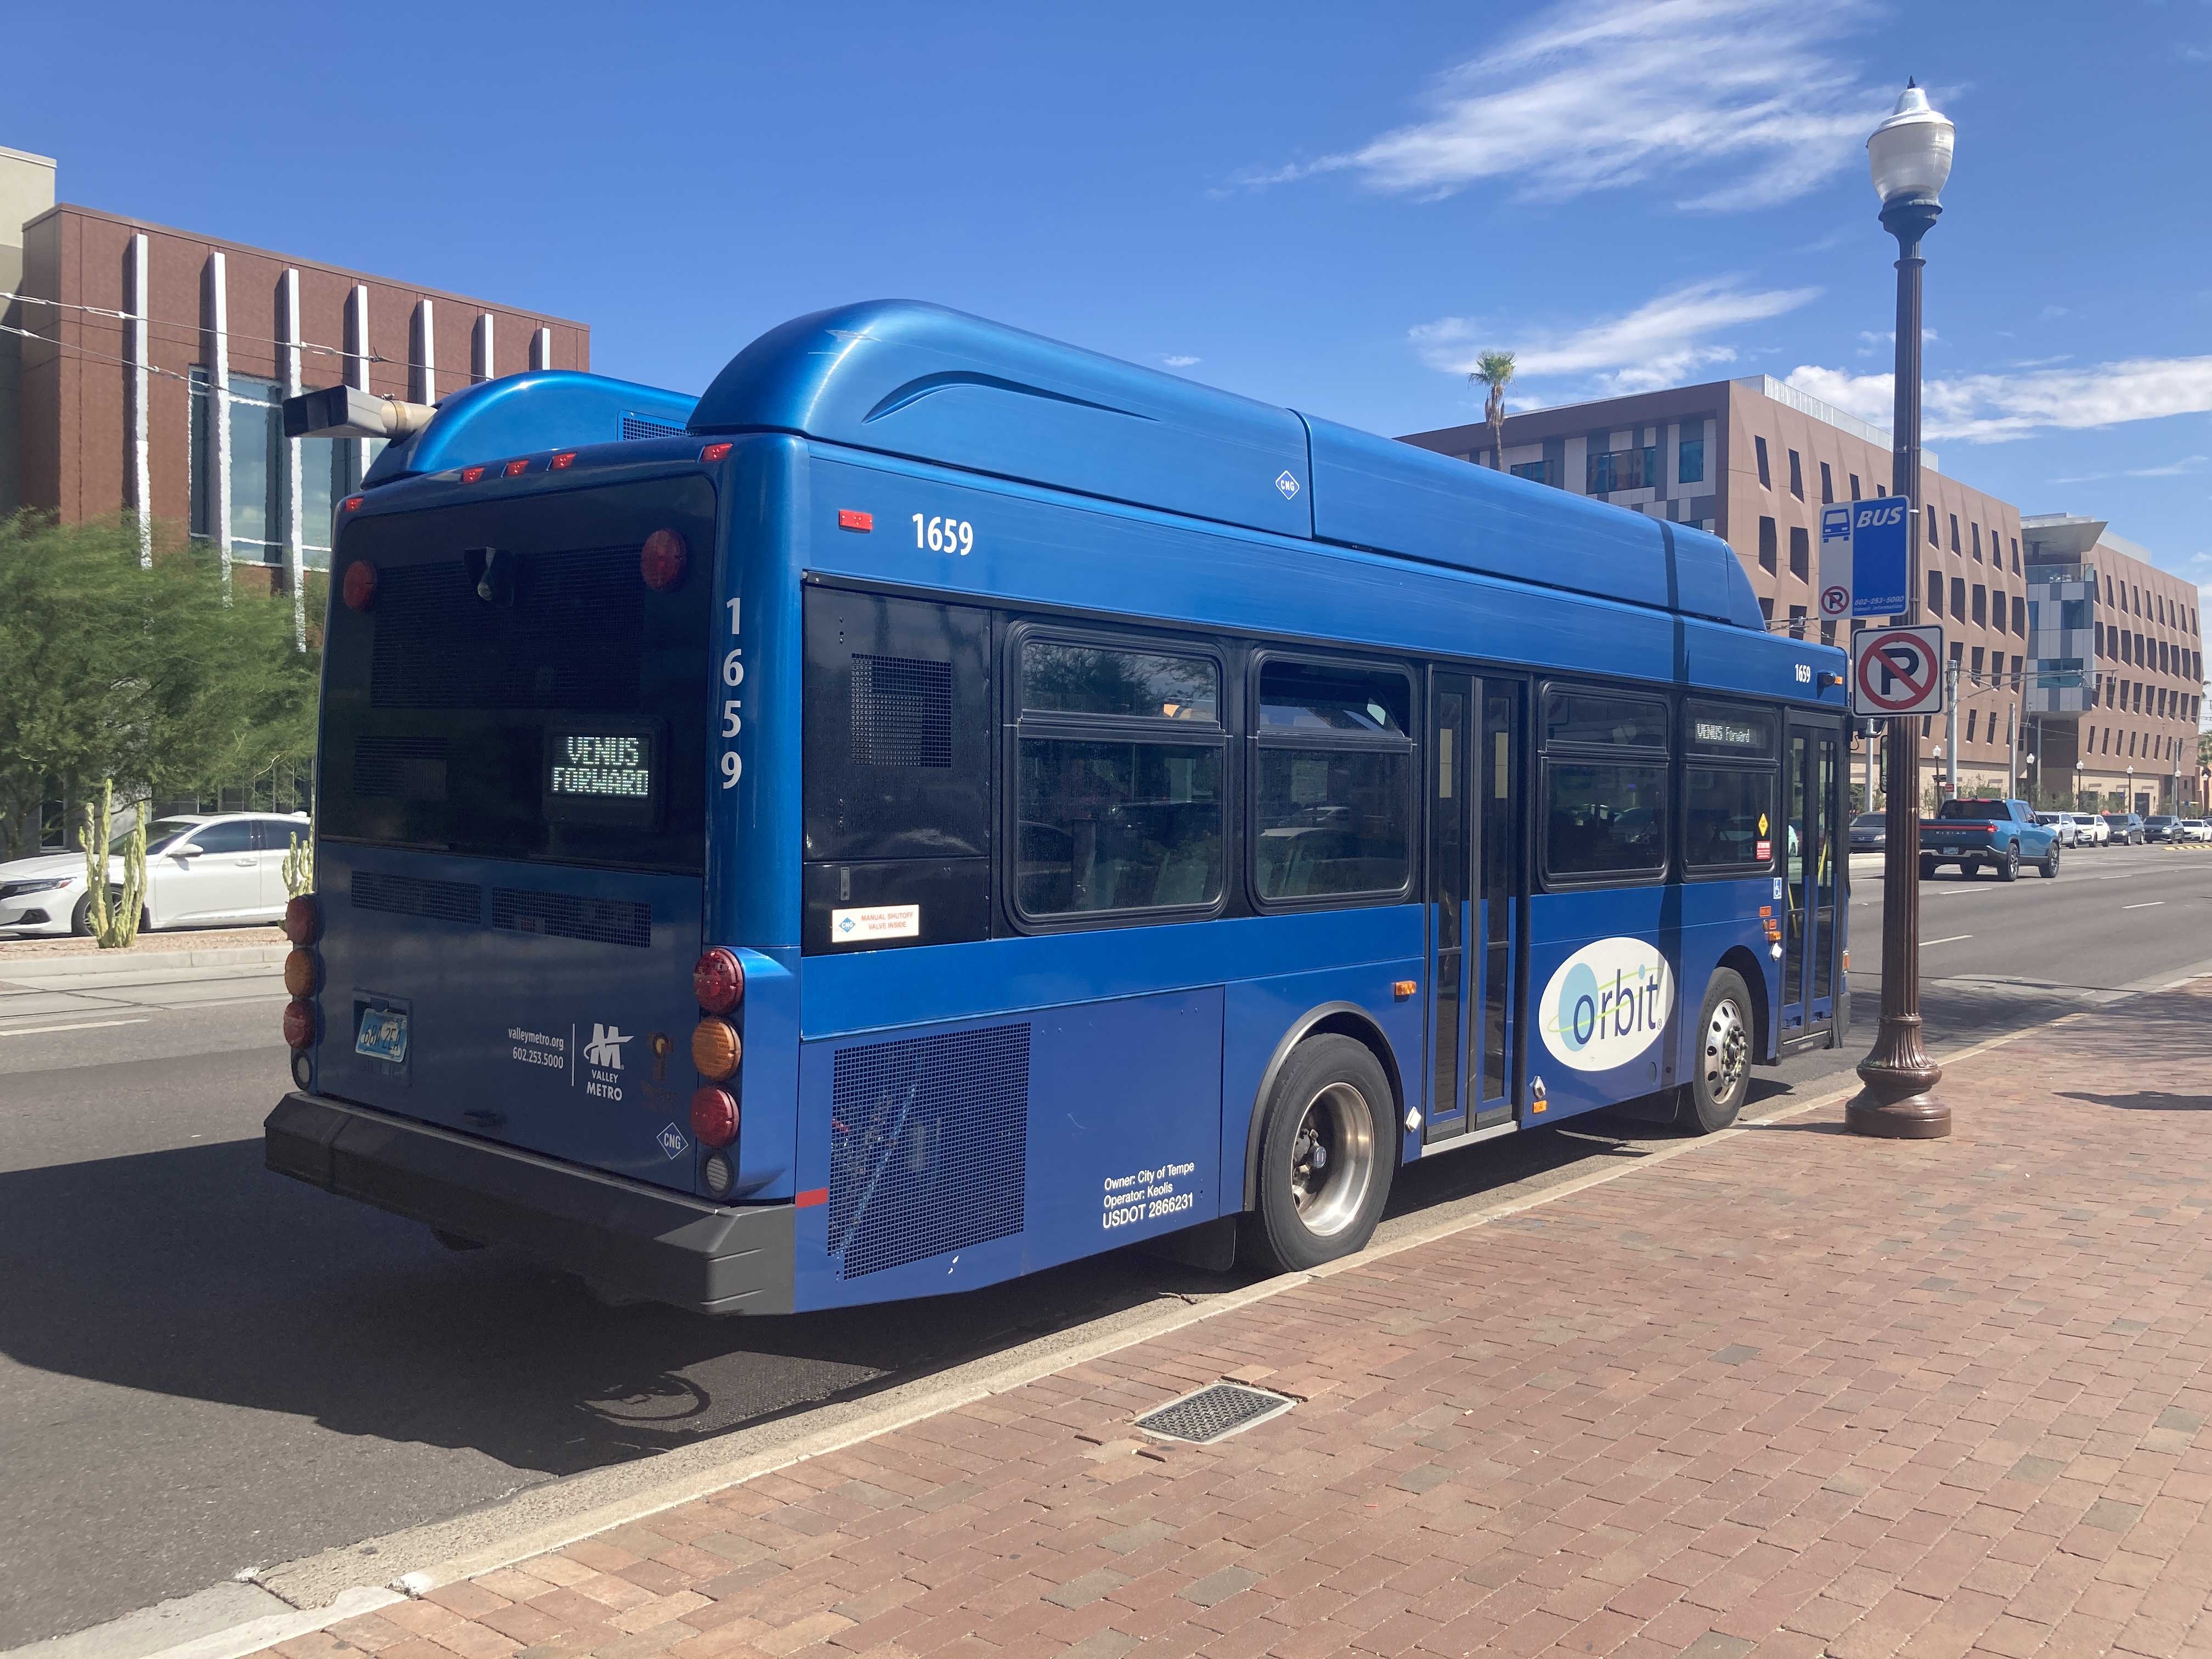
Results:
1214 1412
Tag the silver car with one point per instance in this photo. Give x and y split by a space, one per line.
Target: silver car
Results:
2069 832
201 870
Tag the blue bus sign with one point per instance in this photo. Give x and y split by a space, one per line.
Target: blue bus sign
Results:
1862 557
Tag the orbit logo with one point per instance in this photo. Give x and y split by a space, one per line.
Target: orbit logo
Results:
1606 1004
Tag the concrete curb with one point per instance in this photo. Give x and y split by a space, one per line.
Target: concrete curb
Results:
122 967
328 1588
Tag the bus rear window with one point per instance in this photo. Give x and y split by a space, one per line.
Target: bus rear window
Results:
516 690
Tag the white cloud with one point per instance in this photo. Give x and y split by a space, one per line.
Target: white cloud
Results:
1885 339
2052 314
2172 469
1597 98
1178 361
1662 341
1996 407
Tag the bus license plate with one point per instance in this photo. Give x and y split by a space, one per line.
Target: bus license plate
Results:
383 1035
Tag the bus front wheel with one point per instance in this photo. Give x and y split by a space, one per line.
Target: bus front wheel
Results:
1328 1149
1720 1057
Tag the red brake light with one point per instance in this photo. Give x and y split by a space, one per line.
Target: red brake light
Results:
301 922
564 460
662 560
719 980
470 474
715 451
714 1116
300 1025
359 588
516 468
353 503
852 519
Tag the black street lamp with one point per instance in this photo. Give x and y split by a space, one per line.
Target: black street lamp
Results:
1910 155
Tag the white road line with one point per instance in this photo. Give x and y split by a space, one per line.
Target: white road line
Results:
1953 939
2150 905
82 1025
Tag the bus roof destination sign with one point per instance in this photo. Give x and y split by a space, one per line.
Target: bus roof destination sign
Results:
1897 670
1862 557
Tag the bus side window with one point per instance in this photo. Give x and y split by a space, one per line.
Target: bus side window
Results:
1332 779
1605 786
897 767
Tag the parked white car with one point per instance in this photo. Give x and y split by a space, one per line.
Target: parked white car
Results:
2090 829
201 870
2069 832
2195 829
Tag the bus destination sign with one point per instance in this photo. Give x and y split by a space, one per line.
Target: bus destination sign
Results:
602 774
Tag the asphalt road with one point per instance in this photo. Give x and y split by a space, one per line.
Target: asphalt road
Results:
204 1368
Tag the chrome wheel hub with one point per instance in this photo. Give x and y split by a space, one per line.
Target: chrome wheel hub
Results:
1332 1159
1728 1052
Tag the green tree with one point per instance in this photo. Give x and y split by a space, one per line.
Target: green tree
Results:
1495 370
108 670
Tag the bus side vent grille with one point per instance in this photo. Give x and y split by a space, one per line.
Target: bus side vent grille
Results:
573 639
928 1147
411 896
406 768
606 921
642 426
901 712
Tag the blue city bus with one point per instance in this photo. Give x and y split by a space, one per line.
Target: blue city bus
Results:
944 803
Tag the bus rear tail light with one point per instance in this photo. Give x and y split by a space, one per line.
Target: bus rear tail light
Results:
564 460
661 562
359 588
299 1023
714 1116
302 918
719 980
472 474
716 451
516 468
303 972
716 1049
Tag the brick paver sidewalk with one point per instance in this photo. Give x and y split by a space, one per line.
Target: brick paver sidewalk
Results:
1794 1393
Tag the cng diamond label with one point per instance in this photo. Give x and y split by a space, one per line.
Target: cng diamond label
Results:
673 1141
1287 484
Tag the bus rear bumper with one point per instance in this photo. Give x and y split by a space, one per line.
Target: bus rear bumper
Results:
621 1236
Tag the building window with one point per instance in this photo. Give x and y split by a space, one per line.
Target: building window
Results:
1931 527
1981 607
1975 670
2020 613
1796 622
1801 552
258 457
1690 461
1759 451
1955 532
2015 556
1766 544
1935 593
1827 631
1624 469
1534 471
1797 476
1973 714
1827 485
1977 529
1958 597
1766 609
1855 486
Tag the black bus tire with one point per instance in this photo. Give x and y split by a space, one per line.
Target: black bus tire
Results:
1332 1098
1720 1057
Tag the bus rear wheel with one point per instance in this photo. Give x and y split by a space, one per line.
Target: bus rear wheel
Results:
1720 1057
1328 1151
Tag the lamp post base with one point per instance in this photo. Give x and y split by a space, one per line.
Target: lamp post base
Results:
1899 1101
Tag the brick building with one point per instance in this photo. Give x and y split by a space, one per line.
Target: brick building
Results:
161 355
1753 461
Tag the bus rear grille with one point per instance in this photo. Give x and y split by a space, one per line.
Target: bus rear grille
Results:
607 922
412 896
644 426
573 639
928 1145
406 768
901 712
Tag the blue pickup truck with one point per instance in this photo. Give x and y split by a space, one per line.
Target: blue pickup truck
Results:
2001 834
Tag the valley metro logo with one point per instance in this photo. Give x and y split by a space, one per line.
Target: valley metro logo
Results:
604 1049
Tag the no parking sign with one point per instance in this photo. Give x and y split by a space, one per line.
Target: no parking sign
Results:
1897 670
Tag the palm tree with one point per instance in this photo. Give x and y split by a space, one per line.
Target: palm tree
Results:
1493 369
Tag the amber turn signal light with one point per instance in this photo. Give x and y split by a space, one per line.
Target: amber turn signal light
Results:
303 974
715 1049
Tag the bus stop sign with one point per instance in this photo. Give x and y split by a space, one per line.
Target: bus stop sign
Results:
1897 670
1863 563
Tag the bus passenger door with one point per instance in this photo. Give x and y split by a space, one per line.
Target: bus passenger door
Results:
1494 1044
1811 784
1451 706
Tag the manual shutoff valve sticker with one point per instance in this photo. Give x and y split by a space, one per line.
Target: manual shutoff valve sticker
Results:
1606 1004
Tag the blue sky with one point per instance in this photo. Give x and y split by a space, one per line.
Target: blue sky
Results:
1331 206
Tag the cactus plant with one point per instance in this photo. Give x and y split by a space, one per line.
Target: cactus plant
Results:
300 864
112 911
